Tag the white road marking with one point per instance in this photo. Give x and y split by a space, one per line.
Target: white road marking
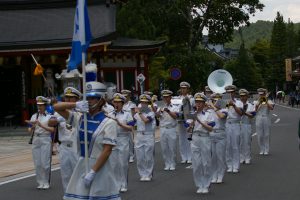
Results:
189 167
23 177
277 120
275 115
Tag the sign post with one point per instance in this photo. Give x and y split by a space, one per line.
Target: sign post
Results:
141 78
175 73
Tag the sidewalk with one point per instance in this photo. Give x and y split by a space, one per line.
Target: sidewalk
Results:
16 157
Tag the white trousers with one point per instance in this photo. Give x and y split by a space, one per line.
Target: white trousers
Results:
233 131
68 159
263 133
41 154
245 144
201 160
218 149
131 145
184 143
144 150
168 146
122 157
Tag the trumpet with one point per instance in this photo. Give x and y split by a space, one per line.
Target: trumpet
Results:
263 100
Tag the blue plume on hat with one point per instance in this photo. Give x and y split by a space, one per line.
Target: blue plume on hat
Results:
91 72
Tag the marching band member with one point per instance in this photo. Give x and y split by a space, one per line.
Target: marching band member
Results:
129 106
263 121
168 115
218 139
233 131
184 144
41 144
144 146
153 105
201 145
100 182
207 92
68 150
246 130
125 123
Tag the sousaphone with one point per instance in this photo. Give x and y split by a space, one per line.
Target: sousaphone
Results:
218 80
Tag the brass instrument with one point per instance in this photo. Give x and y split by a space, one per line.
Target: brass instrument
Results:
263 100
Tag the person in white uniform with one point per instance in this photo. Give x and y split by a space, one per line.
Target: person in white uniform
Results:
263 121
68 149
100 182
201 125
233 131
129 106
125 124
168 114
218 138
144 146
184 143
41 144
246 130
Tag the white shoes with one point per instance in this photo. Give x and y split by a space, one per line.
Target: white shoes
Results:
261 153
214 180
166 168
247 161
229 170
147 179
131 159
266 153
235 171
189 162
123 189
220 180
40 187
46 186
172 168
183 161
202 191
142 179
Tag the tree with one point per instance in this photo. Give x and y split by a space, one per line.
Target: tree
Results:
291 40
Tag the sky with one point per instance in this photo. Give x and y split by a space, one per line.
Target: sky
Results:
287 8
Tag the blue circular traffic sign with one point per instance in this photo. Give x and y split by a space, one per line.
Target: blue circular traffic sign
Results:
175 73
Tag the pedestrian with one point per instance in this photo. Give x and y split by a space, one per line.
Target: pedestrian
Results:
168 114
125 125
246 130
68 149
41 144
218 138
201 127
263 106
233 131
100 182
144 146
185 108
129 106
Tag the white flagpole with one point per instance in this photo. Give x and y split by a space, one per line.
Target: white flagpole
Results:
83 56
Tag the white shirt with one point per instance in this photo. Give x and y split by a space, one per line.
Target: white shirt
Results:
232 114
263 109
43 119
165 120
141 125
128 106
203 117
108 108
250 108
219 122
124 117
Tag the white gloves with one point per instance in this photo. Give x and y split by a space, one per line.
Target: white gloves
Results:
82 106
60 119
89 177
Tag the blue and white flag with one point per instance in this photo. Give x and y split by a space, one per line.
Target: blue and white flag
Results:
81 35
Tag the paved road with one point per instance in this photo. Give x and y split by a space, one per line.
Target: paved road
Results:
273 177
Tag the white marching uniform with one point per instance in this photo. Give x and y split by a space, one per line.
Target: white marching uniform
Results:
246 134
184 143
108 108
168 136
101 131
201 152
218 141
128 106
263 125
233 132
144 144
41 149
68 149
122 148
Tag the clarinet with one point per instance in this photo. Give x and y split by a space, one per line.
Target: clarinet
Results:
33 130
